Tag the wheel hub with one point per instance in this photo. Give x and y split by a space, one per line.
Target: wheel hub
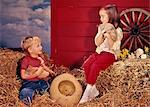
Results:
135 30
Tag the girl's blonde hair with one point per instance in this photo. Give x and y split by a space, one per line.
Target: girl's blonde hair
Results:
29 41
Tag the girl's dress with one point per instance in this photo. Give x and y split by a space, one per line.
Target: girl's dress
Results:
102 58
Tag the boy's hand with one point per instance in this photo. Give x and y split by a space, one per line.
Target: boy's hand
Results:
52 72
39 71
31 69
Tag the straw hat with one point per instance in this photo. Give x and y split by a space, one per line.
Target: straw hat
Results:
66 90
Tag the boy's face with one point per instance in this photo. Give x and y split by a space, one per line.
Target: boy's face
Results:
103 16
36 48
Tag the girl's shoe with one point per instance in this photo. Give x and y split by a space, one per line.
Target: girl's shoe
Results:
94 92
86 94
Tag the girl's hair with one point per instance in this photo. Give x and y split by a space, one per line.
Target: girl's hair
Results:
113 14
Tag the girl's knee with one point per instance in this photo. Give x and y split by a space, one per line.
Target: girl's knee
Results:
94 66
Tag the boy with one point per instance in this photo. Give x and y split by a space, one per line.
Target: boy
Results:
33 70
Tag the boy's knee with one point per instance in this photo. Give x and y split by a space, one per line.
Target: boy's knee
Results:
44 86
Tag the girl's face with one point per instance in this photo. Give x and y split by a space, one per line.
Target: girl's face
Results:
104 18
36 48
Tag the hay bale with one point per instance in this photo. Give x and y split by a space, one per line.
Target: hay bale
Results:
9 87
10 84
125 83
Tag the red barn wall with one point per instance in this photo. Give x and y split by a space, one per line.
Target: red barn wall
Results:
74 27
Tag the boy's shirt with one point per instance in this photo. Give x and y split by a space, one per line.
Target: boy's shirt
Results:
30 61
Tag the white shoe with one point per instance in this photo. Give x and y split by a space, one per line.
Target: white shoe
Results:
94 92
86 94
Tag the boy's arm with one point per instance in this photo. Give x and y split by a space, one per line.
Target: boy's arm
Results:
26 75
45 67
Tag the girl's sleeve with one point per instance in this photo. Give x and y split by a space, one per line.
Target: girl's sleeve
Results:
117 44
119 34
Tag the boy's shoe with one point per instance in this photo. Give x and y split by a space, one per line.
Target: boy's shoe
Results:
27 101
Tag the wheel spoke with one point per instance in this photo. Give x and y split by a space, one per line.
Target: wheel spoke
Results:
125 24
123 45
144 35
127 18
144 39
145 27
131 43
140 41
133 16
144 21
135 42
139 17
145 32
126 32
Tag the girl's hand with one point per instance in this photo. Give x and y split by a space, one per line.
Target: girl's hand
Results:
106 35
103 32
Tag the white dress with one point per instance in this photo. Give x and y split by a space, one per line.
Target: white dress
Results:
116 46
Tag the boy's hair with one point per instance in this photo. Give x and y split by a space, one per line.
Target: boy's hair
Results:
113 14
29 41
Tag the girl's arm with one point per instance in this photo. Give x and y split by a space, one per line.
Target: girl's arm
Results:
99 38
112 37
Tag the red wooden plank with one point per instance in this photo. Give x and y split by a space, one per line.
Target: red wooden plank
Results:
71 59
80 14
99 3
77 14
76 29
75 44
53 29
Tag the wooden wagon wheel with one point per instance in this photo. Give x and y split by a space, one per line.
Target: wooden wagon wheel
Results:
135 23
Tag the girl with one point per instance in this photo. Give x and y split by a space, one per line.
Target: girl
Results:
107 40
33 70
